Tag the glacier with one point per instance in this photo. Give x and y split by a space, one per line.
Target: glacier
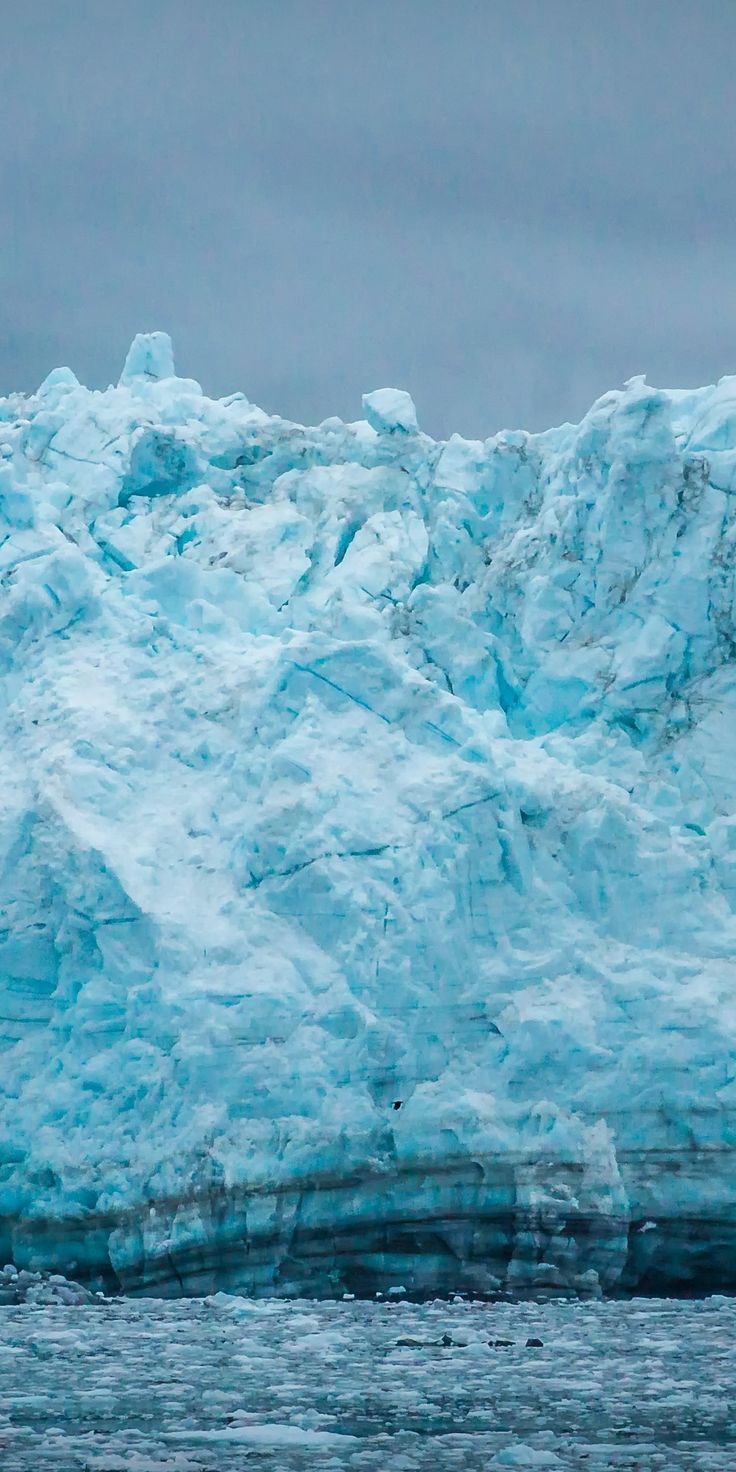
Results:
368 845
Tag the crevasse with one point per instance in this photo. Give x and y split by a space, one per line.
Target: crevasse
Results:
368 844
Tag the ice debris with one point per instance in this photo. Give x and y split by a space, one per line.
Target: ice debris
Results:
41 1288
344 767
521 1455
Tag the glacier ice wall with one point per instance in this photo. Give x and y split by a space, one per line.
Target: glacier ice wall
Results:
368 844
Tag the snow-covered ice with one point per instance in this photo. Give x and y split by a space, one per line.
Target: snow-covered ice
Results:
220 1384
368 844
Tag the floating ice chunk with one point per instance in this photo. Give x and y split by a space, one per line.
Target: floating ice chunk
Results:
390 409
525 1456
150 356
271 1434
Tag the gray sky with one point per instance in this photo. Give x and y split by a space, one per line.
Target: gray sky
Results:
505 206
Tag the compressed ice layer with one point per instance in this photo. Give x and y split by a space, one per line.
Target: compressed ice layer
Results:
368 843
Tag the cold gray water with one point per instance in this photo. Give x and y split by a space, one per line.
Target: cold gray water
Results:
226 1383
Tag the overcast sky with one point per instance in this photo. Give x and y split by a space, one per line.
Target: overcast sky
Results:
505 206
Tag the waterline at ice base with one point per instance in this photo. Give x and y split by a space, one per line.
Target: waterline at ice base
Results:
368 841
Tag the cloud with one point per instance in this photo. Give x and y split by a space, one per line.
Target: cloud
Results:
506 208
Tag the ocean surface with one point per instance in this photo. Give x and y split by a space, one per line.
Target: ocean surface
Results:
228 1383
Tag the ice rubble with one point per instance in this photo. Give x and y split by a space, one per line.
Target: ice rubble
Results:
47 1289
368 844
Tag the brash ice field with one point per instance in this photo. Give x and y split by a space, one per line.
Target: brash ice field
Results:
225 1384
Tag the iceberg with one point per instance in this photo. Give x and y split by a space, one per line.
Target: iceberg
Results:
368 845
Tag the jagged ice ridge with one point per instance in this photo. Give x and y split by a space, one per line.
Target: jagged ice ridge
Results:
368 844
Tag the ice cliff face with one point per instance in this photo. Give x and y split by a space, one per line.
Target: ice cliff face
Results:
368 844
